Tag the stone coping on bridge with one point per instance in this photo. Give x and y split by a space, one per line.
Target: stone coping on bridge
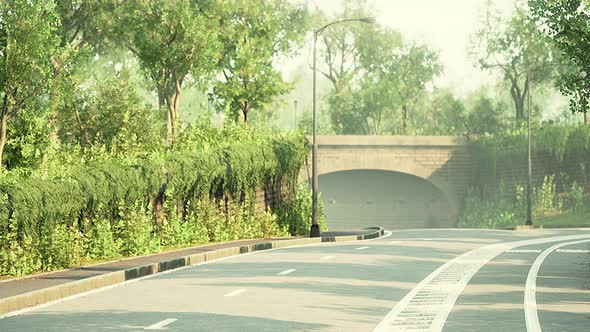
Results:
375 141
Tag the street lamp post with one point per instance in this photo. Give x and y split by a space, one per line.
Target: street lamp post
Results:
315 228
529 184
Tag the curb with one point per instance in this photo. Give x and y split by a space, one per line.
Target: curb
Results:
540 227
42 296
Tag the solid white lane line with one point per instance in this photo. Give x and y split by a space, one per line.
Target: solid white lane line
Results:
326 257
524 251
530 291
443 286
286 272
236 292
160 325
573 251
362 248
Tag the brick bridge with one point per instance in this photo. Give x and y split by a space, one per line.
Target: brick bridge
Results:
443 161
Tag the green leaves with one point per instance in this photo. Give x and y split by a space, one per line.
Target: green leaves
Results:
108 206
254 34
28 45
517 50
567 23
175 41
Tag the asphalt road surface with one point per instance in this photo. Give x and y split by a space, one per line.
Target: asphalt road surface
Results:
419 280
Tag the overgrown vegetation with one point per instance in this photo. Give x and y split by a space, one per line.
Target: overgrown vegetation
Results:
205 190
561 160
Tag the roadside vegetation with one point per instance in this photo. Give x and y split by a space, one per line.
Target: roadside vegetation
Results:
130 127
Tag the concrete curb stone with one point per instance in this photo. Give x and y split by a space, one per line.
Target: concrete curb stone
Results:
53 293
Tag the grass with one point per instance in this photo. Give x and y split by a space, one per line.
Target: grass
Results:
581 218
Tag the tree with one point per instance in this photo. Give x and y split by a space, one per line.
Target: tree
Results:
409 72
517 50
567 23
484 115
253 34
29 41
446 115
373 46
111 115
176 42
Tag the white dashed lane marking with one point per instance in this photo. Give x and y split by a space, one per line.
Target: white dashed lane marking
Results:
362 248
326 257
524 251
573 251
234 293
160 325
286 272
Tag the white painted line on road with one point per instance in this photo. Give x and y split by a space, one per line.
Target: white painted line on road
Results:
573 251
524 251
236 292
362 248
326 257
286 272
171 271
530 291
443 287
160 325
386 234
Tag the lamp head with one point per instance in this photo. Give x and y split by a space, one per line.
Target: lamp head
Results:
369 20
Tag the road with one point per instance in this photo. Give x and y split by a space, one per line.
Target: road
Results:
414 280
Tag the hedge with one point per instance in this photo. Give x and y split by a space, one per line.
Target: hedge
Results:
203 190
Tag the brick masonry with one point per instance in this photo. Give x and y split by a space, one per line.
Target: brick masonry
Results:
445 161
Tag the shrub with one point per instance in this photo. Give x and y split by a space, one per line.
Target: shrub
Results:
105 205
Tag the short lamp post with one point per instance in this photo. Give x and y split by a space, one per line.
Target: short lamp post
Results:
315 228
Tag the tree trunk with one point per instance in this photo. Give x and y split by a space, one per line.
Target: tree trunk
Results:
519 96
177 90
172 102
3 137
585 118
404 118
169 121
245 109
3 126
519 105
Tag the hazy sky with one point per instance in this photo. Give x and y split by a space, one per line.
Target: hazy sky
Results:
445 25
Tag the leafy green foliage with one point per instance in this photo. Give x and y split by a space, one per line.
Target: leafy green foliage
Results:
175 42
28 41
58 215
298 216
567 23
560 164
254 34
515 49
110 115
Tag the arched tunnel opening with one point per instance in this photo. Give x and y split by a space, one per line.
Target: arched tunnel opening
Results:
365 198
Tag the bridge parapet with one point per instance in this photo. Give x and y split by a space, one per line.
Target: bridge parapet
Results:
444 161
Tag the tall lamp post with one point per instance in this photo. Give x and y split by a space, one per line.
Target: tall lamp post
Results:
315 228
529 183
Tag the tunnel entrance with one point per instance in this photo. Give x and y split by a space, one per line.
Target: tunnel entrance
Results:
393 200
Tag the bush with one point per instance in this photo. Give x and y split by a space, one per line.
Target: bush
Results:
298 216
105 205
